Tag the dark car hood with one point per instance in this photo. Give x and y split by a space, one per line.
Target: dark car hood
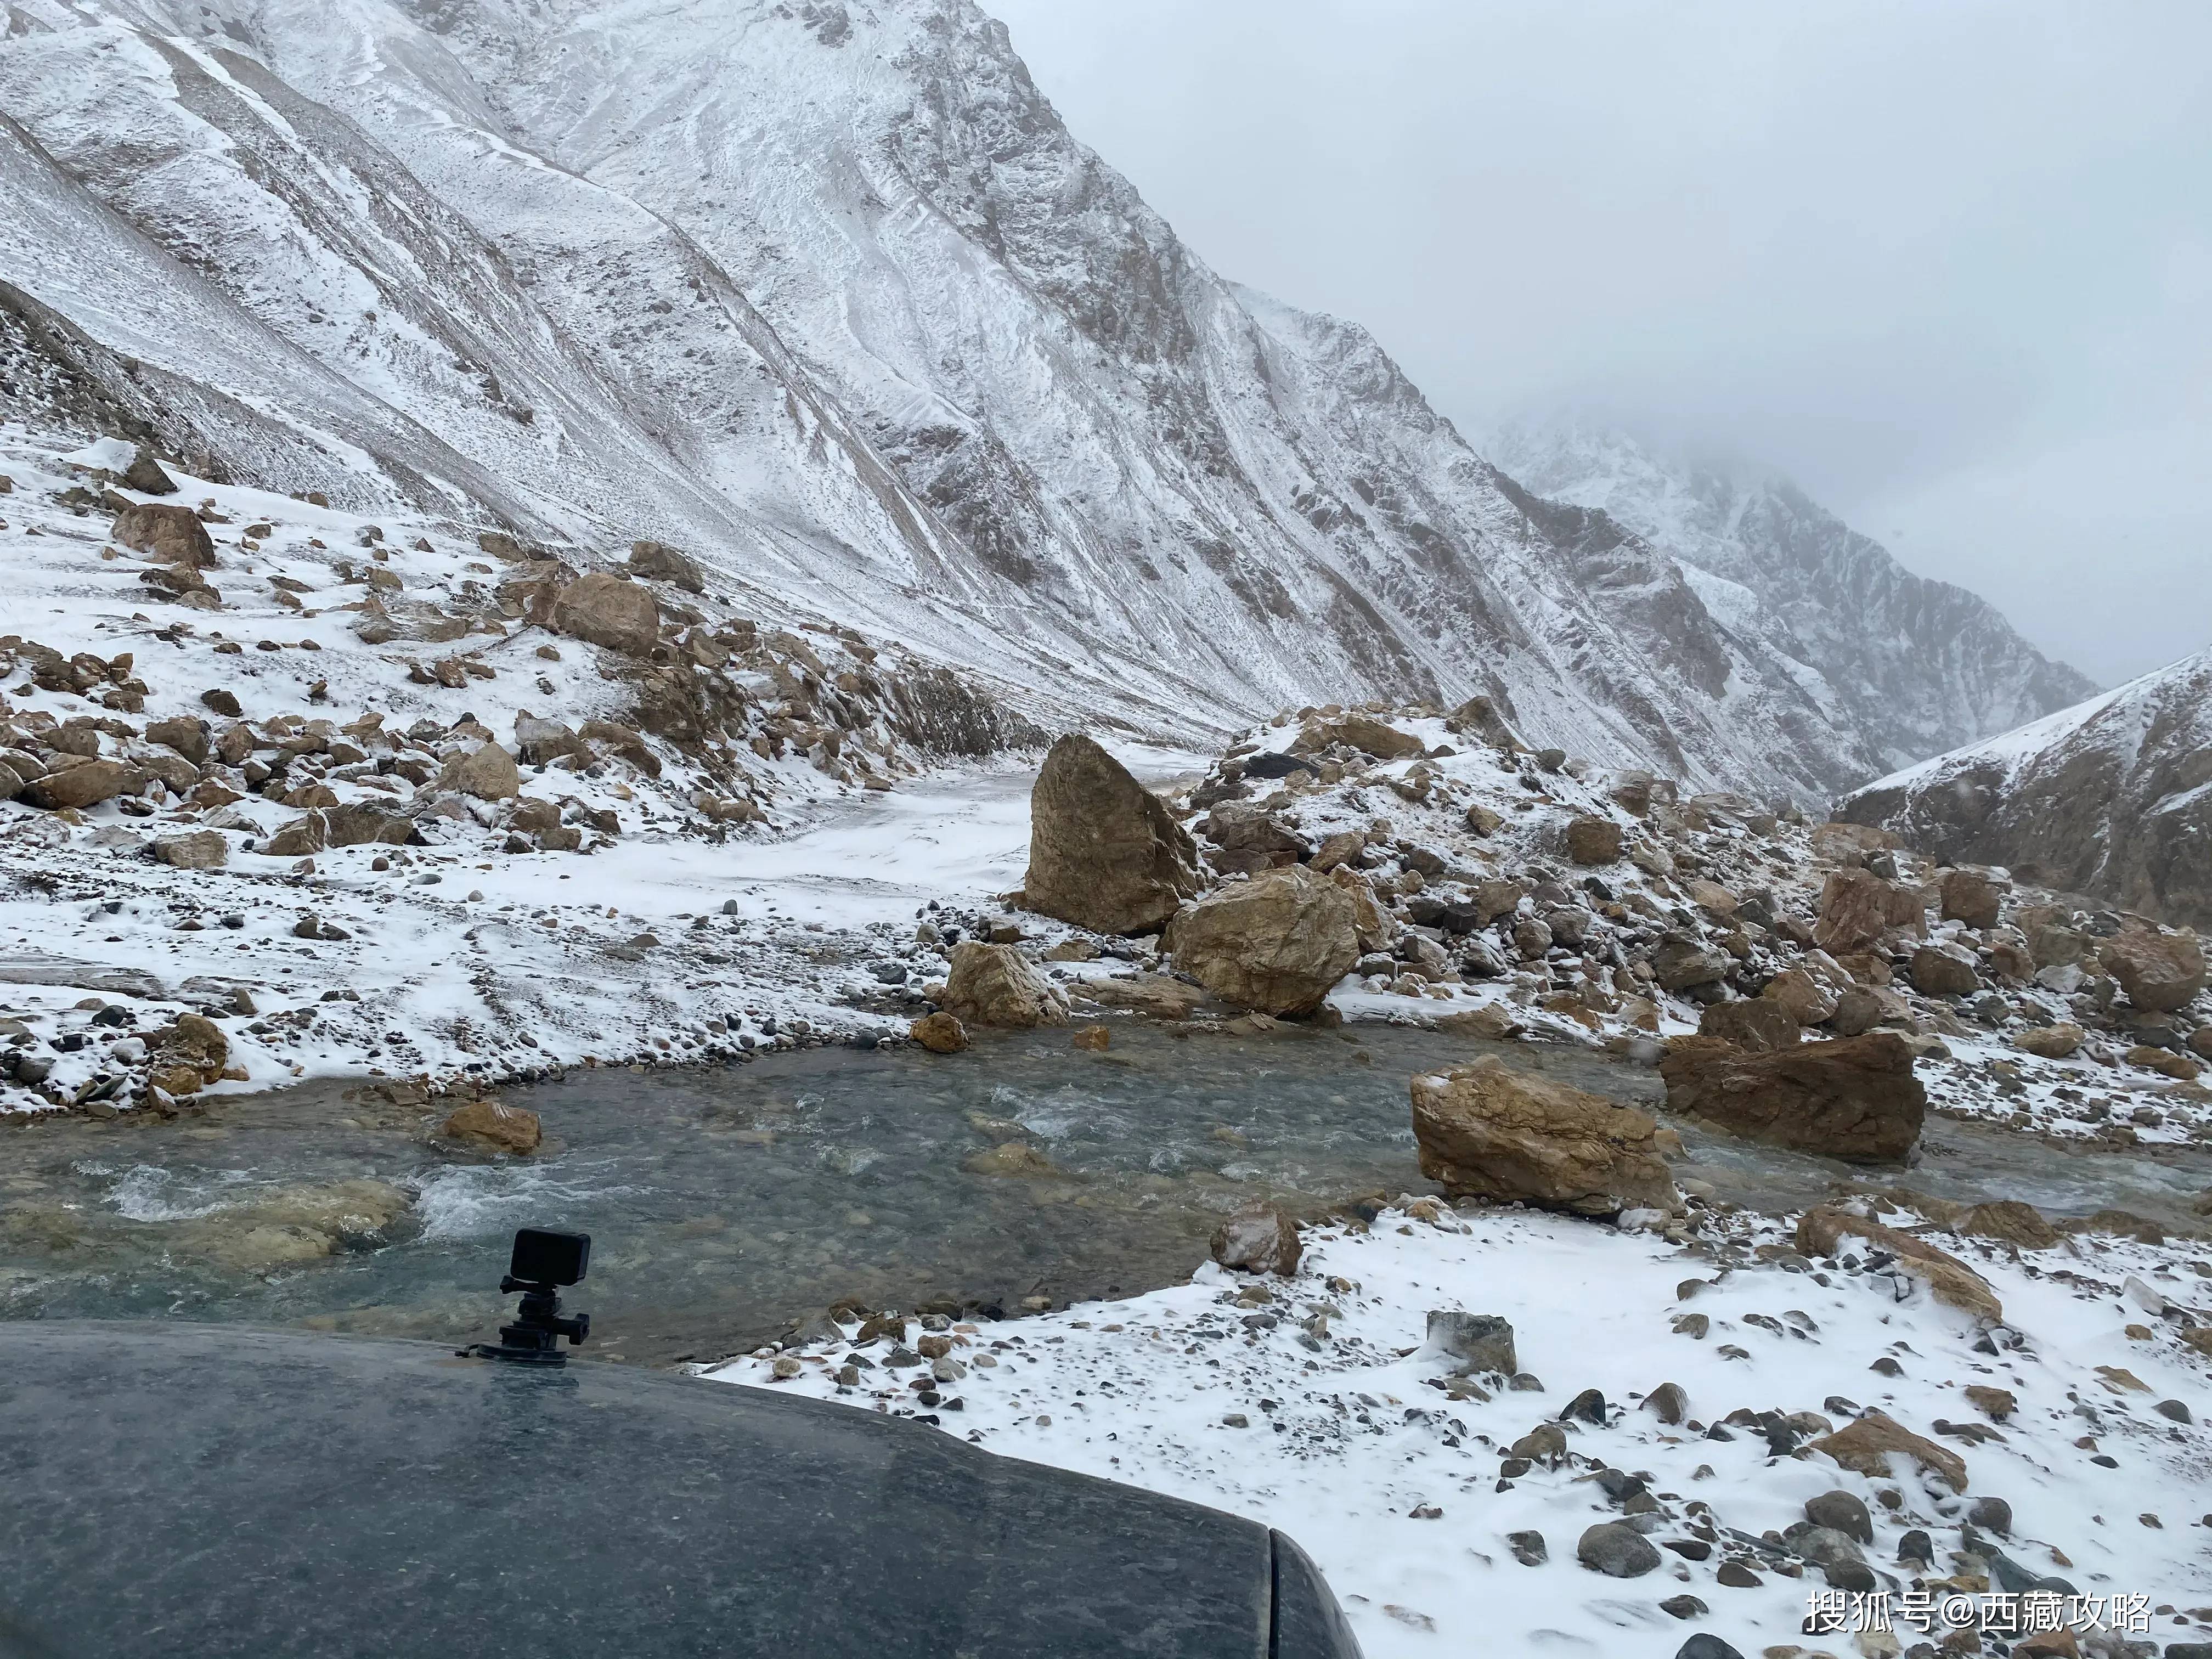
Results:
195 1490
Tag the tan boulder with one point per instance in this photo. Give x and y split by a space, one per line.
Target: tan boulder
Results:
995 985
1855 1099
303 837
170 535
620 616
1105 852
80 786
489 1123
1858 909
1973 896
1866 1446
2010 1222
1758 1024
1277 943
1593 841
2049 1042
1361 732
1487 1131
2160 971
1938 971
660 562
487 772
1823 1228
200 849
940 1033
1259 1241
1808 1000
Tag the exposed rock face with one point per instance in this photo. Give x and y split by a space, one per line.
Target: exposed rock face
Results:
1855 1099
171 535
1276 942
2159 971
995 985
660 562
1593 841
1760 1024
1105 852
1263 1241
610 612
2106 797
499 1127
1858 909
1487 1131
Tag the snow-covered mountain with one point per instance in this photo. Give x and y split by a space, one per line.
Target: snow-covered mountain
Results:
1901 667
828 295
2110 797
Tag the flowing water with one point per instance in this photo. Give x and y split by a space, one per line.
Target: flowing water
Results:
724 1204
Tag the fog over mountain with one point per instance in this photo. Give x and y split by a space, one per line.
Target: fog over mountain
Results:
1948 267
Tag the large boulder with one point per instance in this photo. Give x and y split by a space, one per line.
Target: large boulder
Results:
1855 1099
169 535
1973 896
1105 852
995 985
2160 971
1593 841
1487 1131
1858 909
361 823
1276 942
609 611
1362 732
1758 1024
84 786
660 563
487 772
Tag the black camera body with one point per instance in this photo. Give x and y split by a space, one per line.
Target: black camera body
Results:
543 1261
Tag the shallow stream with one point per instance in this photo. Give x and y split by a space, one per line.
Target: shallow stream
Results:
724 1203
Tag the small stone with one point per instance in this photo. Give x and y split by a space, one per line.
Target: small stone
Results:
1736 1576
1683 1606
2173 1411
1616 1550
1236 1420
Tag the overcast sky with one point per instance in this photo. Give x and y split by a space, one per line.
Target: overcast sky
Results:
1948 265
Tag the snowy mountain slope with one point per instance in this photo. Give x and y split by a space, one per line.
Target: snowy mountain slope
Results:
828 296
2112 797
1904 664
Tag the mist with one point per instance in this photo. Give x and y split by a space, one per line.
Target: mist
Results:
1948 266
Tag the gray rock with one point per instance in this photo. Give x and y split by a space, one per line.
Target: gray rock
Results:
1841 1511
1616 1550
1478 1342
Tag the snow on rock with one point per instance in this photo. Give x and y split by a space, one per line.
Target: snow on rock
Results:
2111 797
1720 1357
1897 667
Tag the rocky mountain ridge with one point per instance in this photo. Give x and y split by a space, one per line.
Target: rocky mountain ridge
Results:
2111 797
828 298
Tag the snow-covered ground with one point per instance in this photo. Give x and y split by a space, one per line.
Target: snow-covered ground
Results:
1311 1404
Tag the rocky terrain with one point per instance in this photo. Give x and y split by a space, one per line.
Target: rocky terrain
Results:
828 297
2110 797
1899 667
